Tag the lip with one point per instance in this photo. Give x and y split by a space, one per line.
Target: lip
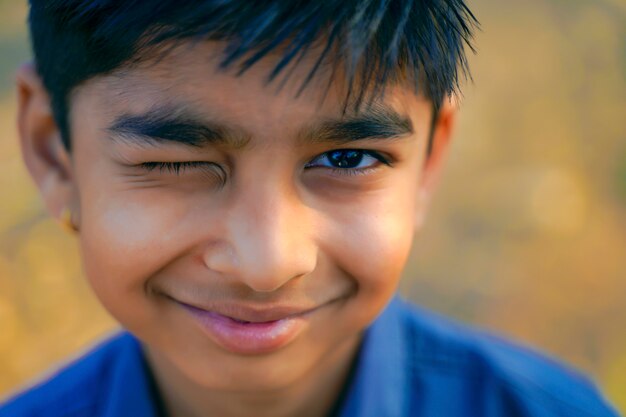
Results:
250 330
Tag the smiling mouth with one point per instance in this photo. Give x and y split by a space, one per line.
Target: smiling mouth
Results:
247 330
252 315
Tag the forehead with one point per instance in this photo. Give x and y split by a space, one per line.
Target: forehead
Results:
189 76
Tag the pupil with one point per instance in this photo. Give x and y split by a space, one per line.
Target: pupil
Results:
345 159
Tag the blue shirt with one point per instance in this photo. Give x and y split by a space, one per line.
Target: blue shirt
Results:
411 363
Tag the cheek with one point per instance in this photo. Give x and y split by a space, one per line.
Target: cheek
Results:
125 241
374 242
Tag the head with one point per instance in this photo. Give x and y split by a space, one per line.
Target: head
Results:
246 158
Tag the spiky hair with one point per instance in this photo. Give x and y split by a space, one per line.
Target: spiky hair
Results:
378 42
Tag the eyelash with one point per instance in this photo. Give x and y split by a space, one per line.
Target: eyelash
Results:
179 167
174 167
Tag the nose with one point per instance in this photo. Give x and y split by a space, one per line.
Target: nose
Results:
269 239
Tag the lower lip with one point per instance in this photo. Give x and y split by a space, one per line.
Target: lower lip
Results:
247 338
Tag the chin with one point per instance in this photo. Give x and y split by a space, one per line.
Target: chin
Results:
264 375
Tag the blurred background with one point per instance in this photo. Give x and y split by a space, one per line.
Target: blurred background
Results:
527 235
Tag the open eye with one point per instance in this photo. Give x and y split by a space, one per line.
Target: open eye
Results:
351 160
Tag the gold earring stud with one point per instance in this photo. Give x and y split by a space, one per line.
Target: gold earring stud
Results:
67 222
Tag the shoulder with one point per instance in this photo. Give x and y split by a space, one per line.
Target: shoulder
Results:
501 377
73 390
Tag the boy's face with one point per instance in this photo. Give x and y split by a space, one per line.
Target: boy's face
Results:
271 221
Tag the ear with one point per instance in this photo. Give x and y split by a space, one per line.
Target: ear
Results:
44 154
441 134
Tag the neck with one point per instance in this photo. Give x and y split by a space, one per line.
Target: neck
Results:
312 395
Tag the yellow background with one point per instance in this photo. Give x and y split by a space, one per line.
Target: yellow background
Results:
527 235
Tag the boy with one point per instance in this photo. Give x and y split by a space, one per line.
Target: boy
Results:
245 179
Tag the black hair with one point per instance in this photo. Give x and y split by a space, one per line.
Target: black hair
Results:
377 41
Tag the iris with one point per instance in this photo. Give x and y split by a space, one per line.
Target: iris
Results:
345 158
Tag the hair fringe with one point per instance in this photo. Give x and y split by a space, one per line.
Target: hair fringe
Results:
377 42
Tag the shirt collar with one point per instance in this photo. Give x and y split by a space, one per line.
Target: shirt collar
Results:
380 381
133 392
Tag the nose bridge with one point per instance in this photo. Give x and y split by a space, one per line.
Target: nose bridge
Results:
269 234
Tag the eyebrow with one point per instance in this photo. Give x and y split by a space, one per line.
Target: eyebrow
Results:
373 123
174 125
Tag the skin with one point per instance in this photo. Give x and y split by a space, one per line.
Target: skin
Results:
273 232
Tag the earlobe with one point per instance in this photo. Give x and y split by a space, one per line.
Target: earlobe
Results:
442 131
43 152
